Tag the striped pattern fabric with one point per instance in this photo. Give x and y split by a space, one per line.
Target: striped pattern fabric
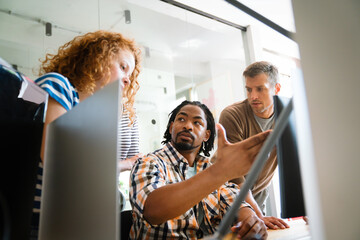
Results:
37 200
167 166
60 89
128 138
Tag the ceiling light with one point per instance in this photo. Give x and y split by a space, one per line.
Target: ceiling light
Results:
127 16
48 29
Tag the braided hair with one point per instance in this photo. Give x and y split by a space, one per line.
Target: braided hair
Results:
207 146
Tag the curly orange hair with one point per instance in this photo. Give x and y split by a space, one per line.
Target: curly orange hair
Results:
87 59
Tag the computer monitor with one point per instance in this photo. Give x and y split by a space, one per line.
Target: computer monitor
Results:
22 107
291 191
80 198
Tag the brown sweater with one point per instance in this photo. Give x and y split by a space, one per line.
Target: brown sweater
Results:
239 122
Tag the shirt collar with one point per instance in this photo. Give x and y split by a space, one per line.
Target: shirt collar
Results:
176 157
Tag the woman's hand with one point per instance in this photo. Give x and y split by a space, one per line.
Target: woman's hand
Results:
128 163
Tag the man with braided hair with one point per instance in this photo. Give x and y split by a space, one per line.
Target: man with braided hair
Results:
176 193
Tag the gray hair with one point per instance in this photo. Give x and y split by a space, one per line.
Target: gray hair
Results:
257 68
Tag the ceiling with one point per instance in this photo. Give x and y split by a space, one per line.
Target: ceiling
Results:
172 38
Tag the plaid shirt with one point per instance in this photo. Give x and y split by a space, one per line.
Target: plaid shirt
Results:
167 166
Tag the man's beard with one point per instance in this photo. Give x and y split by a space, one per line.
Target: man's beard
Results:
184 146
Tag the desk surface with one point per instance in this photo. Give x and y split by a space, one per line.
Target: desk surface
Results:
298 231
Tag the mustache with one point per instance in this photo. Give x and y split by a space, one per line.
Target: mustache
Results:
186 131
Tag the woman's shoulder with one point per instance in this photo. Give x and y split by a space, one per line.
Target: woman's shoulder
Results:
59 88
52 76
56 80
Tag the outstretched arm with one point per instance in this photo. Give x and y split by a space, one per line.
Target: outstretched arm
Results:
176 199
233 160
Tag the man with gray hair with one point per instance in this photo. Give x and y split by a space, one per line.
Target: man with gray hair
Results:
249 117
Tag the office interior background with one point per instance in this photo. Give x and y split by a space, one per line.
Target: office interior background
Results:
186 55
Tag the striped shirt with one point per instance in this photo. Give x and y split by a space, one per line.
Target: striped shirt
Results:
128 138
167 166
59 88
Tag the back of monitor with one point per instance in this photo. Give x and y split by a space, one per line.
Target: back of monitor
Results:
80 197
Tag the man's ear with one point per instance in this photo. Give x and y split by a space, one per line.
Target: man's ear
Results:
207 135
170 127
277 88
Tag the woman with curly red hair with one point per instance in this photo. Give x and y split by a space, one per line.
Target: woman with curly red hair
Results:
86 64
79 69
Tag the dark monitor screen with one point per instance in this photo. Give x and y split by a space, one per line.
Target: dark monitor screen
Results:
291 191
22 108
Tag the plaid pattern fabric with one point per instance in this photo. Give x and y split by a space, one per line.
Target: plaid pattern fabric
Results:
167 166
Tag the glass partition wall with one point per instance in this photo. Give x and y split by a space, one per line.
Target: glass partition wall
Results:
184 55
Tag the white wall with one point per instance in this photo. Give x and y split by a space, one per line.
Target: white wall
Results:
153 102
328 34
227 82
